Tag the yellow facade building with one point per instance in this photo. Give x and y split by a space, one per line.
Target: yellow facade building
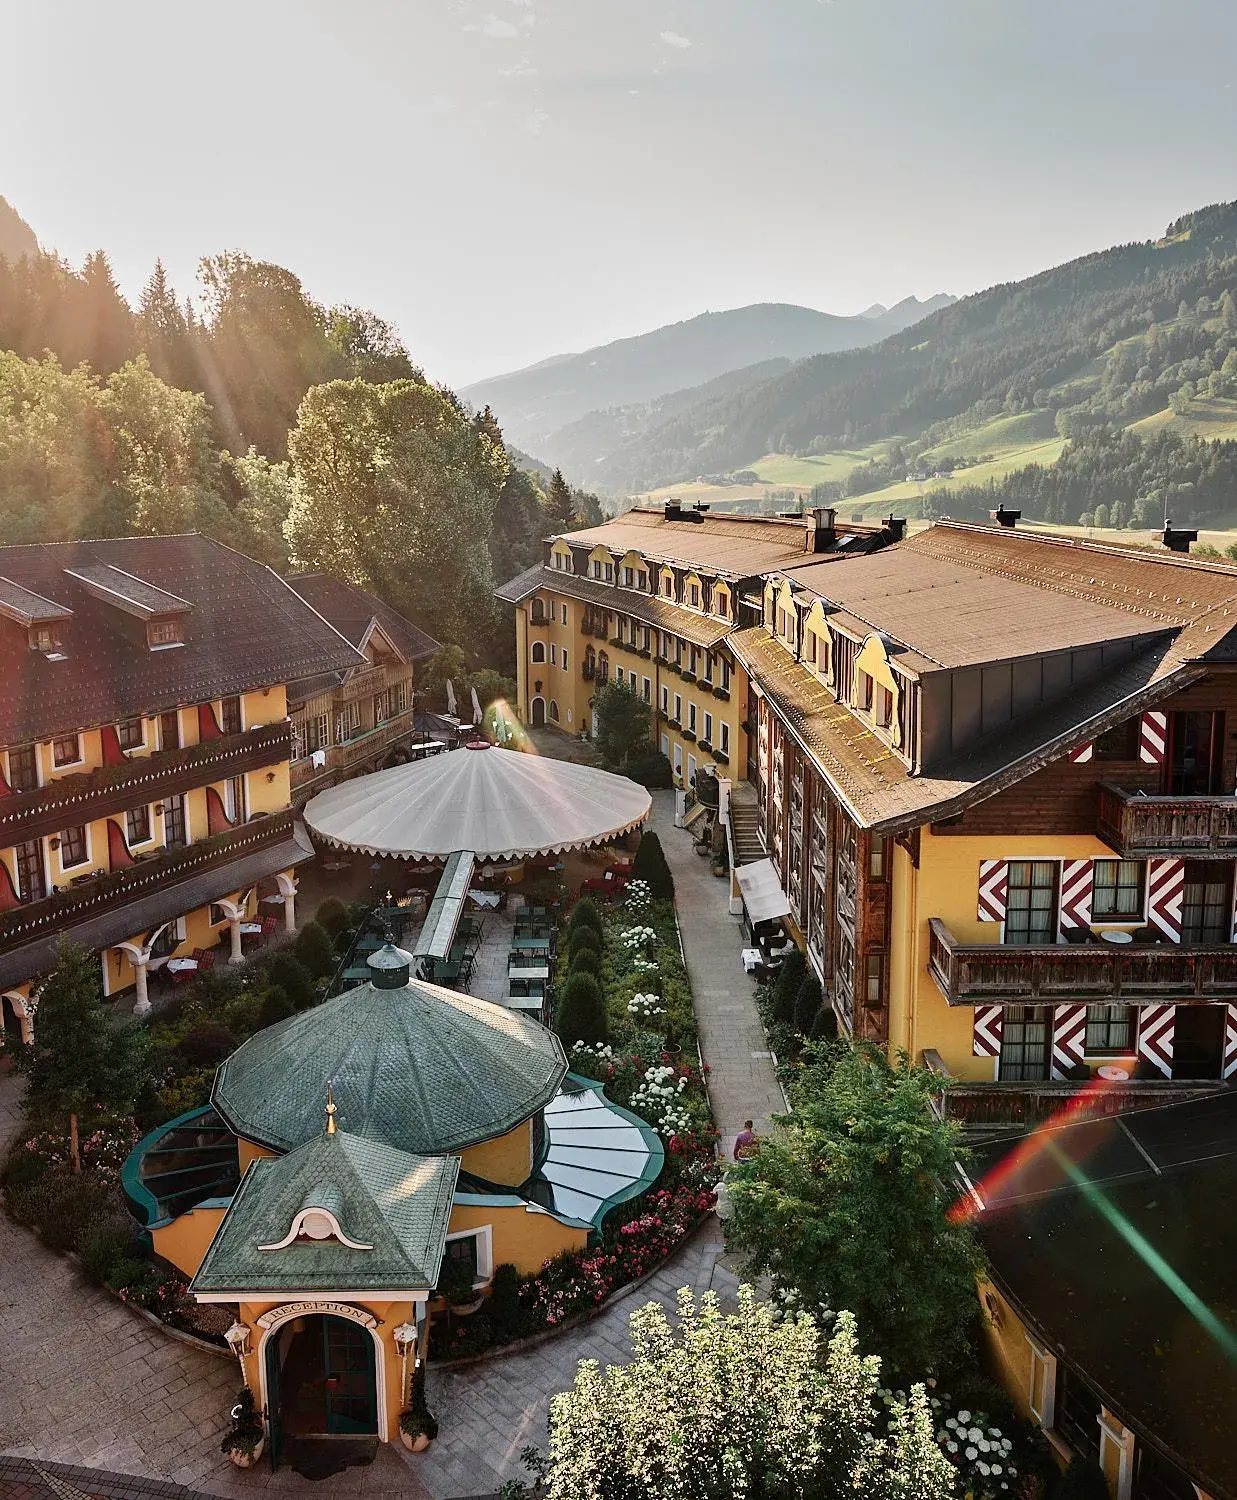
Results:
145 797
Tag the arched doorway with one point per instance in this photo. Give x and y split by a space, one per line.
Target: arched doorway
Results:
538 708
321 1383
12 1017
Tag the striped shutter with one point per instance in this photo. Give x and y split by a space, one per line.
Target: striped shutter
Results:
1069 1034
1153 738
1156 1025
993 889
1076 881
1081 753
1165 892
989 1023
1230 1042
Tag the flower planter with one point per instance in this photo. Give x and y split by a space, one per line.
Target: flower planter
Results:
466 1309
417 1444
246 1460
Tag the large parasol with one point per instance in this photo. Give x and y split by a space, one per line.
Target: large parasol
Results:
501 804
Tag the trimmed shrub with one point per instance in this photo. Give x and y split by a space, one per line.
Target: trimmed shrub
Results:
586 961
582 938
107 1242
808 1001
585 914
316 950
786 987
650 865
291 975
651 770
511 1319
580 1015
333 915
825 1026
275 1006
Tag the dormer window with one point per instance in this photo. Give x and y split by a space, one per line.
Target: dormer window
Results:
131 734
44 638
163 633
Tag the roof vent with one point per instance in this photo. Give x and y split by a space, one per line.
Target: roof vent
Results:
1177 540
390 967
701 506
1007 518
674 511
895 526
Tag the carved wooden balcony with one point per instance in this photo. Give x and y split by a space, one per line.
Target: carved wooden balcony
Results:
72 800
1132 974
1138 827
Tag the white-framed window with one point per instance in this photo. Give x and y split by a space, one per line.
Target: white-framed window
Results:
74 846
137 826
678 708
234 798
725 682
67 750
564 658
596 567
678 760
131 733
476 1248
723 737
553 654
538 652
695 596
1042 1384
618 675
691 717
1117 1443
627 578
708 727
347 723
665 699
647 689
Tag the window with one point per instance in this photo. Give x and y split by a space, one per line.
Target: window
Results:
553 654
1118 743
564 658
230 715
234 798
1042 1392
23 769
1117 889
31 880
596 568
627 578
67 750
130 734
1031 902
678 707
379 708
665 699
175 823
347 723
863 691
1110 1030
695 596
708 728
809 647
137 826
554 709
1206 908
667 585
169 730
618 675
317 733
564 608
43 638
691 717
647 689
464 1251
723 743
217 916
884 707
161 633
73 847
168 939
398 696
1024 1043
642 579
725 682
874 980
609 572
603 666
539 651
876 857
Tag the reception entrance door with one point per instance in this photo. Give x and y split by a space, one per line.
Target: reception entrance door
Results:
321 1381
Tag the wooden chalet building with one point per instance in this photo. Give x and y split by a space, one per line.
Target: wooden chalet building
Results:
995 772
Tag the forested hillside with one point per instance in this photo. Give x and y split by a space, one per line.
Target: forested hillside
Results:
1107 340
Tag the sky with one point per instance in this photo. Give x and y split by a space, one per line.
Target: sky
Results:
509 179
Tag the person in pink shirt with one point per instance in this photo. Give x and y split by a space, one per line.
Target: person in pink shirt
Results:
744 1142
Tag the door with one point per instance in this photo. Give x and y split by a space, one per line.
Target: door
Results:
1031 902
31 879
1195 752
538 707
169 730
274 1400
1024 1043
1198 1041
351 1389
1207 902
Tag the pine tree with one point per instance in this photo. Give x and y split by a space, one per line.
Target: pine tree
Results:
650 865
560 507
107 322
580 1015
163 331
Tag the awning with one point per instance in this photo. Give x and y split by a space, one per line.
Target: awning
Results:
763 897
443 918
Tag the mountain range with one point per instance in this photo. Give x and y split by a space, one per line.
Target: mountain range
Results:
17 239
533 404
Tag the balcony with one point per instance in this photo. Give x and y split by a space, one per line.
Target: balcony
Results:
1025 1106
1188 827
1133 974
107 892
72 800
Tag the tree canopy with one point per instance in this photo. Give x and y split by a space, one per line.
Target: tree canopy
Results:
845 1203
622 723
739 1406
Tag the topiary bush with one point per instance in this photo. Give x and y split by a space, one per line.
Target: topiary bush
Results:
808 1001
333 916
580 1015
585 914
316 950
650 866
291 975
275 1006
651 770
586 961
786 987
582 938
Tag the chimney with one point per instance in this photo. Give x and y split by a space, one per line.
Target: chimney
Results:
824 529
701 507
1176 540
1007 518
896 527
674 511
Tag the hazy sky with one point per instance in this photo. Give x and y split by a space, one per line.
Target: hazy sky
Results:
508 179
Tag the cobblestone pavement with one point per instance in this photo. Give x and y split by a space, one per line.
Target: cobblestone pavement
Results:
84 1381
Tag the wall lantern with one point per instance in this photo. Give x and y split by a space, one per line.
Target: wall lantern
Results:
238 1341
270 776
405 1336
159 809
53 843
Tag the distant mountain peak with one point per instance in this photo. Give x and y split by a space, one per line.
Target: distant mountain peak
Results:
16 236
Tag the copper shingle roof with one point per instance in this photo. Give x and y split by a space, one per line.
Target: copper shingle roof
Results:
247 629
701 630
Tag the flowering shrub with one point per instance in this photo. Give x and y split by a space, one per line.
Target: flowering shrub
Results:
164 1293
585 1051
636 938
657 1098
644 1007
639 897
976 1447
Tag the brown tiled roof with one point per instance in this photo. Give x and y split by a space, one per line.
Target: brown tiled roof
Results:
877 786
247 629
701 630
147 912
350 609
739 546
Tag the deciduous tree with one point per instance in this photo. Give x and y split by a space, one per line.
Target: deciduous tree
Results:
622 723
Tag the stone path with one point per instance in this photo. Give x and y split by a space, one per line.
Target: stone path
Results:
84 1381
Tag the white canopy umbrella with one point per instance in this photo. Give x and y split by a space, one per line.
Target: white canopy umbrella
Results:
501 804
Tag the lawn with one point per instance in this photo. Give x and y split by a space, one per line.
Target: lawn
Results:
900 495
1206 418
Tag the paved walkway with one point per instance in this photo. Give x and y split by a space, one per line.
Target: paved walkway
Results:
84 1381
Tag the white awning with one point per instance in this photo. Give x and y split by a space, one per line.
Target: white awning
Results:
763 896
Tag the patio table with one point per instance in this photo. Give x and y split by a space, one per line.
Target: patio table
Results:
251 929
518 970
522 944
181 965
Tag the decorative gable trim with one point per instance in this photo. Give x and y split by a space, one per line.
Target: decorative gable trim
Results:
316 1223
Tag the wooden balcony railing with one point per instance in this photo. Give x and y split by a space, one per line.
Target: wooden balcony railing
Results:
72 800
1137 826
105 892
1135 973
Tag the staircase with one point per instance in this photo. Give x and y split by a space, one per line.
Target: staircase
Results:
744 826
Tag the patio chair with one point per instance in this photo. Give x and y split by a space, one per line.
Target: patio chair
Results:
206 961
270 926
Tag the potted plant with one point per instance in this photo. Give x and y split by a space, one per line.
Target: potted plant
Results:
455 1283
417 1429
246 1437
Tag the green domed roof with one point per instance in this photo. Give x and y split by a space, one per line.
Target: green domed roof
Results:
421 1068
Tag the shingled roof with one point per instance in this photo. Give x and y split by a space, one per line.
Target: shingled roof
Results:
352 611
702 630
245 628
